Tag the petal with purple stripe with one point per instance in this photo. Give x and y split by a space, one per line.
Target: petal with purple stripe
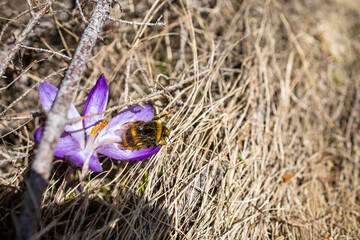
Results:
112 151
65 144
96 102
132 114
47 94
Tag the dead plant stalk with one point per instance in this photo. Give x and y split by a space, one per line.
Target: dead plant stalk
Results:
55 124
4 62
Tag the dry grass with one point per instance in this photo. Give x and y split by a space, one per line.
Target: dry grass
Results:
265 140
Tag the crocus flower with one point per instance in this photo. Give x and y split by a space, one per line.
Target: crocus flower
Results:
82 141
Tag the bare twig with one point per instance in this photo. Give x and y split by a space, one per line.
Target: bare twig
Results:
152 96
127 79
15 131
143 73
55 124
19 156
19 116
45 50
4 62
25 115
31 8
12 21
157 23
18 77
81 12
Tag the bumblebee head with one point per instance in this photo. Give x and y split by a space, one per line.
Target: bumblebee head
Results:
165 132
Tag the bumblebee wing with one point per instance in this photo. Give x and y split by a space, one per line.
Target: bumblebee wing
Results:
121 131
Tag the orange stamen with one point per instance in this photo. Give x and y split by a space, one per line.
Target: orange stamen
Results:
98 127
112 141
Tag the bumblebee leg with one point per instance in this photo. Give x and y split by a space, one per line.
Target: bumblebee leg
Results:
138 146
157 117
162 142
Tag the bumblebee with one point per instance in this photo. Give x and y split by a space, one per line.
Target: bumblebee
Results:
142 134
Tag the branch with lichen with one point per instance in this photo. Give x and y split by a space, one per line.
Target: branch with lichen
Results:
56 121
4 62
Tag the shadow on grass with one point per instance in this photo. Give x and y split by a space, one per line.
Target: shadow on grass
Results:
99 213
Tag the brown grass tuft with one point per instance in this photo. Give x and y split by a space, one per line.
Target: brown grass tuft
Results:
265 140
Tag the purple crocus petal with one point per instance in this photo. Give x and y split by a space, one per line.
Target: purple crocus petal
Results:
47 94
96 102
79 158
64 145
132 114
112 151
38 133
